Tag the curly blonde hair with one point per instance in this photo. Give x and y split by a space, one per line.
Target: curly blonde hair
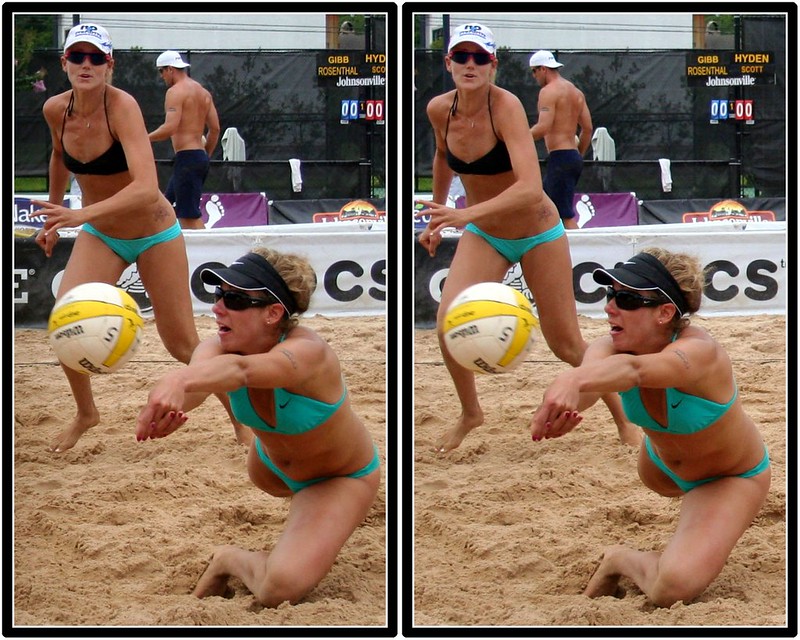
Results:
299 276
690 276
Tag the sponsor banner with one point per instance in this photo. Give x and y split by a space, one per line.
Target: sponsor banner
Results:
363 211
709 210
26 214
592 210
746 268
217 209
220 210
350 264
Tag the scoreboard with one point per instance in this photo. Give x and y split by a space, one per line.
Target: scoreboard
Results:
729 68
354 110
731 110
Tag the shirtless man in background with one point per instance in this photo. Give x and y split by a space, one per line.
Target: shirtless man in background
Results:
562 109
190 113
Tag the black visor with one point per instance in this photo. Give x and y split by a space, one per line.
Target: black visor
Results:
252 272
646 273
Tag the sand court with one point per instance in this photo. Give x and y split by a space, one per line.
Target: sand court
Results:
507 532
116 533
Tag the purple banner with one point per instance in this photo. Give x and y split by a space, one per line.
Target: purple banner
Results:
233 210
606 209
217 210
591 210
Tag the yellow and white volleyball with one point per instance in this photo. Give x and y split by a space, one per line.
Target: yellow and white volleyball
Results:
490 328
95 328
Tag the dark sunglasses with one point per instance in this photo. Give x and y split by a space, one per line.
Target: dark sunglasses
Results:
235 301
480 59
629 301
96 59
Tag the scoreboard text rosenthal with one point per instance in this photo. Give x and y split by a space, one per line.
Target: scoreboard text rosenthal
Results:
351 69
729 68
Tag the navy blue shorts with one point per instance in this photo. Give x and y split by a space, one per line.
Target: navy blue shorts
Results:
563 170
186 184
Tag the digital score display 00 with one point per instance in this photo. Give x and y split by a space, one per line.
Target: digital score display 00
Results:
731 111
361 111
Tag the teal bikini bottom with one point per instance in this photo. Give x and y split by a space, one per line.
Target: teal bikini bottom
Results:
513 250
297 485
688 485
130 250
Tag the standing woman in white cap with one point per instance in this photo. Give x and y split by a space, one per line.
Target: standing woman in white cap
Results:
482 135
98 134
192 123
286 384
562 112
678 384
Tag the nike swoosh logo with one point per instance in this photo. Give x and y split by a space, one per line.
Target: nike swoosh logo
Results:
283 406
675 406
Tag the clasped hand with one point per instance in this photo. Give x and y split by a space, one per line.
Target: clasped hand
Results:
163 412
558 414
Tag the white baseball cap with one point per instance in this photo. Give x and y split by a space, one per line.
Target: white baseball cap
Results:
171 59
89 32
544 59
474 32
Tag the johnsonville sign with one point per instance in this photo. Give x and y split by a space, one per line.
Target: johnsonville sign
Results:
351 69
729 68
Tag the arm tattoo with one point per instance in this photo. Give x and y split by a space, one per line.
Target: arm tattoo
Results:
683 358
290 356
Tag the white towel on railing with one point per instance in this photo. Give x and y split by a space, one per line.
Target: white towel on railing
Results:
603 147
666 176
297 178
233 146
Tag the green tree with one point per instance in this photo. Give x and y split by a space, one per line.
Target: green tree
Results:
30 32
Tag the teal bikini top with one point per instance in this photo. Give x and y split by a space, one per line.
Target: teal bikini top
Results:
294 414
685 413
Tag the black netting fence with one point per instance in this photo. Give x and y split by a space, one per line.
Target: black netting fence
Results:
643 100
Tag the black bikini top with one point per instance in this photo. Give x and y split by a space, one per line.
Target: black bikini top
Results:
494 162
111 162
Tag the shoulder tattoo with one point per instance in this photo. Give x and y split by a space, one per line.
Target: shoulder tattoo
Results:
290 356
683 358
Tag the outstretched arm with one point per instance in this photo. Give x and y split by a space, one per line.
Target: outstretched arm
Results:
171 398
684 363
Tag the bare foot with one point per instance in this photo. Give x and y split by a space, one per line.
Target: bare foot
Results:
456 435
605 581
212 582
629 434
80 425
